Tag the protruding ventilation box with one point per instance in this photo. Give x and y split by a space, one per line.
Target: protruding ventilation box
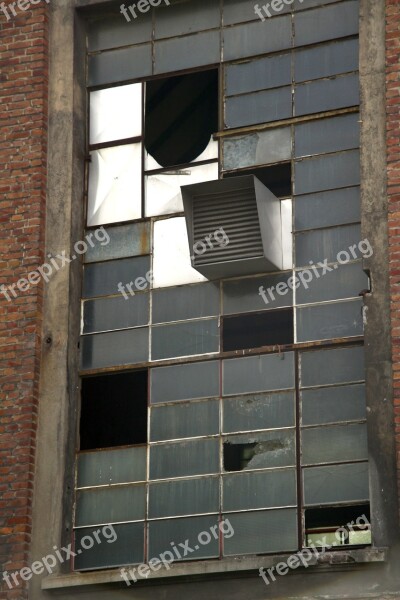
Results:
249 215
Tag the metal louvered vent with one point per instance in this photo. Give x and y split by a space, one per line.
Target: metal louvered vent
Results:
234 227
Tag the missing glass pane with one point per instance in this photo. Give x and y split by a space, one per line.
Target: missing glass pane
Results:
238 456
258 329
181 116
277 178
338 526
114 410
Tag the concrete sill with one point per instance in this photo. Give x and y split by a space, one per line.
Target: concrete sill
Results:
341 558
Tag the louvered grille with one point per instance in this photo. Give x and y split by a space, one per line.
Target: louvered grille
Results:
237 213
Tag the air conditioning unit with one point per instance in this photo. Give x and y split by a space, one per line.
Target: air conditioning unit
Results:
249 215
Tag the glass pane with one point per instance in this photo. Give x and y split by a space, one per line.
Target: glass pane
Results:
327 94
185 339
209 153
116 113
336 483
257 148
115 185
185 382
327 321
187 497
187 52
287 234
258 74
327 135
187 302
257 38
238 11
114 32
171 247
266 411
163 190
261 107
124 545
182 18
112 466
110 505
256 330
124 241
335 207
243 295
325 244
329 405
197 457
340 365
162 533
275 448
120 65
327 172
102 279
271 489
107 314
325 61
258 373
184 420
334 444
261 532
346 281
326 23
117 348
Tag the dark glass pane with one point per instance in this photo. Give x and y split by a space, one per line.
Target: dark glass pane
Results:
258 373
257 330
327 172
243 295
187 52
315 246
257 38
346 281
115 32
102 279
258 74
260 451
184 497
335 207
277 178
325 61
116 348
327 94
113 466
125 241
179 19
328 321
110 505
184 420
197 457
239 11
327 135
106 314
185 382
340 365
185 302
114 410
162 533
260 107
258 412
271 489
330 405
336 483
262 532
326 23
185 339
335 443
120 65
120 545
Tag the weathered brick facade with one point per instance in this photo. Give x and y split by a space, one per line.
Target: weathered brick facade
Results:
23 133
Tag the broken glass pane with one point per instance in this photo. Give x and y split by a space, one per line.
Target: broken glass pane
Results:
115 184
209 153
260 450
116 113
257 148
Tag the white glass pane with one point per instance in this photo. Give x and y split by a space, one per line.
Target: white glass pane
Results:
116 113
209 153
115 185
163 191
171 258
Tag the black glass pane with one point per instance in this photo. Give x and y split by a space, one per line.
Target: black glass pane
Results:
257 330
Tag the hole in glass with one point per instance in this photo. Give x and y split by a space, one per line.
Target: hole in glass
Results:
181 116
114 410
238 456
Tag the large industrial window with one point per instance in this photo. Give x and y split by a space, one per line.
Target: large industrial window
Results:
242 396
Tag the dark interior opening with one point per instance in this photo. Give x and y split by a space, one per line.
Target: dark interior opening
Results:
181 116
238 456
269 328
338 525
114 410
277 178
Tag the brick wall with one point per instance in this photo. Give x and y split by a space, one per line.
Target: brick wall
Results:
23 133
393 172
